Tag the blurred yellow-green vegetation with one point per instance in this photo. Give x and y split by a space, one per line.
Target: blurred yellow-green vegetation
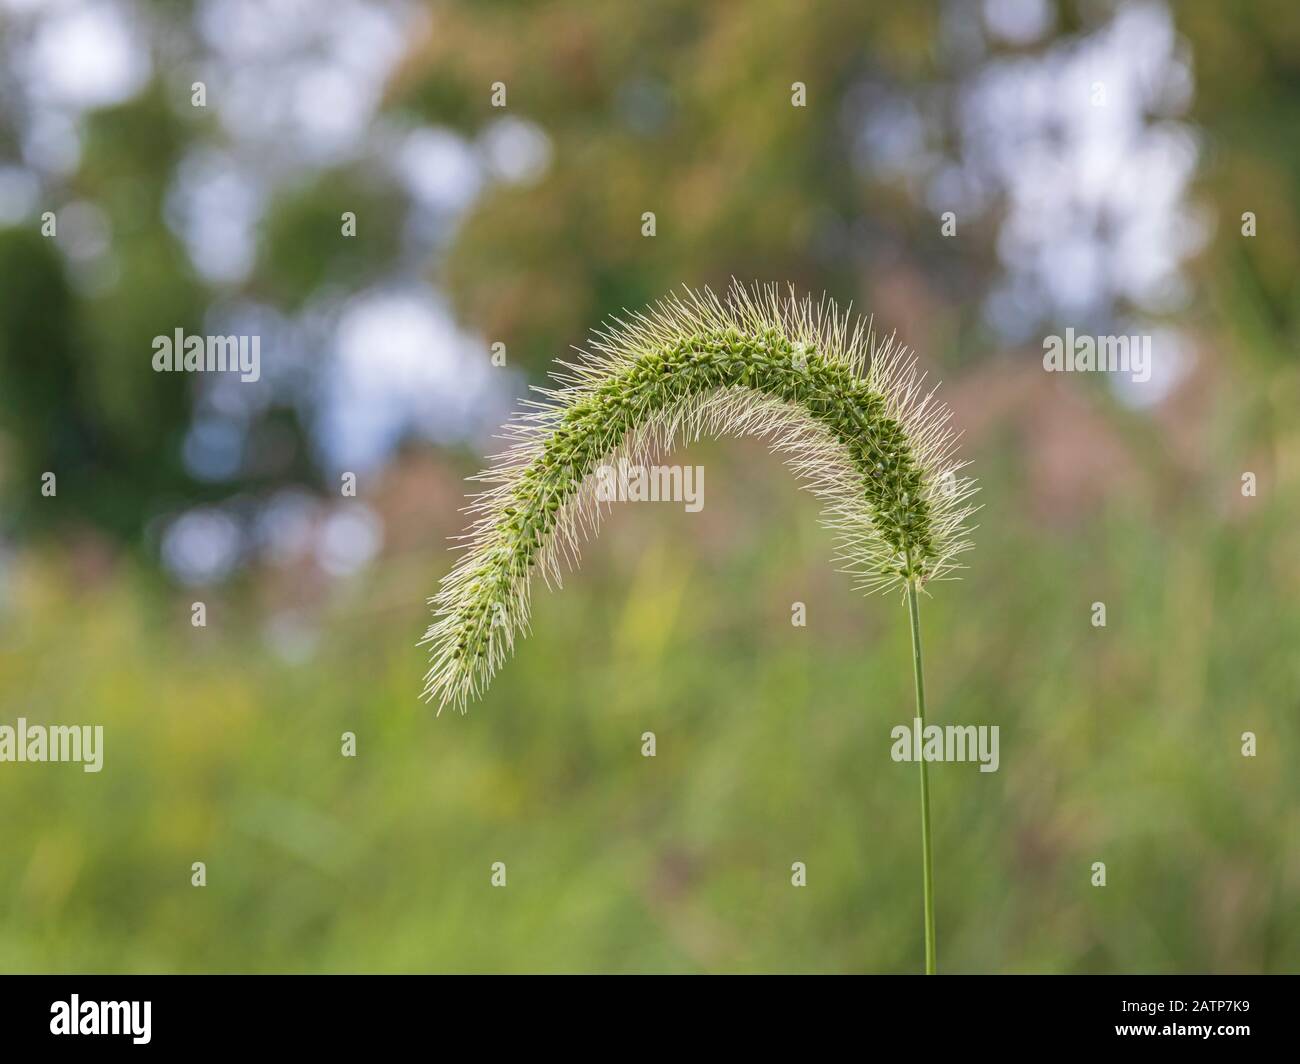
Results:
1120 744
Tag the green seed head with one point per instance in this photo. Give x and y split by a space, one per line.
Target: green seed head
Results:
849 413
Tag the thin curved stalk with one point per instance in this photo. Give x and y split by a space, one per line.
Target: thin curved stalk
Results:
927 855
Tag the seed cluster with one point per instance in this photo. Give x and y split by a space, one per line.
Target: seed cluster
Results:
850 415
766 362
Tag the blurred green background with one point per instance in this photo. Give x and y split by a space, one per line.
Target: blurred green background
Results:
1111 211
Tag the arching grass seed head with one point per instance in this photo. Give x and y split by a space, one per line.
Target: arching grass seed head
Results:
848 411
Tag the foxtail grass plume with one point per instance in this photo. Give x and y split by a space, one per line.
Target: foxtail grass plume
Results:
849 412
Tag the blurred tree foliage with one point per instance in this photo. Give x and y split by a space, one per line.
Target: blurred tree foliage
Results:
679 108
79 396
1248 103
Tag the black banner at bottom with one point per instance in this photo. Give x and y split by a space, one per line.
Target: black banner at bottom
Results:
343 1013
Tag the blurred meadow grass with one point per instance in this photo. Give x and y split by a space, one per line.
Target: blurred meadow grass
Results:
1119 744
